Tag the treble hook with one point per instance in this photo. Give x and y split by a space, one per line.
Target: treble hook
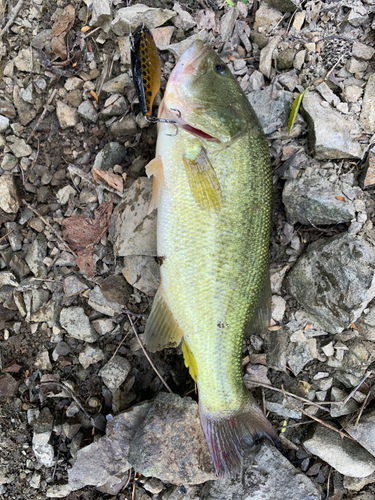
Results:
153 119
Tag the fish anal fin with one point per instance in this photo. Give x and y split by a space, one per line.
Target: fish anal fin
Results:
259 322
162 329
203 181
189 360
155 168
228 433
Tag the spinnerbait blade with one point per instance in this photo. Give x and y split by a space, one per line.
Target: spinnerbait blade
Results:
145 68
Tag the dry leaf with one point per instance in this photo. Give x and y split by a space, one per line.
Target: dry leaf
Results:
274 328
113 180
353 326
85 29
340 198
59 31
308 326
81 234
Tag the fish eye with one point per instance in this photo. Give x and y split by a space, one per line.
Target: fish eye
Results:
220 68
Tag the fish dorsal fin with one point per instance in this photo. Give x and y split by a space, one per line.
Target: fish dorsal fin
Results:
162 329
203 181
260 320
189 360
155 169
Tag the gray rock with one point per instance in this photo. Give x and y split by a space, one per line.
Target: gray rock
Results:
67 116
36 254
346 456
58 491
362 51
356 483
277 344
27 60
124 126
9 198
42 361
316 200
129 18
358 357
100 461
267 474
337 410
115 372
284 5
177 49
265 16
73 83
135 228
256 81
9 162
101 12
184 20
265 61
27 94
331 135
87 110
115 105
64 194
112 154
42 433
77 324
45 313
19 147
103 325
98 301
170 444
116 289
7 109
117 84
142 272
285 409
26 112
367 117
73 286
15 237
271 107
4 123
90 355
366 325
367 177
301 353
334 280
227 23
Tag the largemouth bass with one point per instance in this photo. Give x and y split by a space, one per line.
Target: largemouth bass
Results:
212 188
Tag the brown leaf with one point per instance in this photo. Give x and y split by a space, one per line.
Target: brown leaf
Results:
340 198
353 326
81 234
13 367
64 22
85 29
113 180
59 31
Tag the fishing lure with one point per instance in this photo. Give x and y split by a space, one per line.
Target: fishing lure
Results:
146 71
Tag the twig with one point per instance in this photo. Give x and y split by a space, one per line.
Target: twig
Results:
267 386
5 235
342 434
120 344
11 19
137 315
364 404
128 481
51 228
356 388
91 32
72 395
147 356
333 67
329 477
51 97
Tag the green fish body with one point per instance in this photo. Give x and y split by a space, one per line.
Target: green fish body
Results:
213 191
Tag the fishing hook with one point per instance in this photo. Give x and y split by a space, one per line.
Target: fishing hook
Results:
153 119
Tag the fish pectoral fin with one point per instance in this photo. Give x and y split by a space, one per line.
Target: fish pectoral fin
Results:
155 169
189 360
203 181
162 329
260 320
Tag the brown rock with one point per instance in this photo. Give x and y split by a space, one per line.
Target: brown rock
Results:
367 178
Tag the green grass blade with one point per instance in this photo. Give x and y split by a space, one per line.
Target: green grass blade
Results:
294 110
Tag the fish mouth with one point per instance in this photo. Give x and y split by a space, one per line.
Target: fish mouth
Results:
197 132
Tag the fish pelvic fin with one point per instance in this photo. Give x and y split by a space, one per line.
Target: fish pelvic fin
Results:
162 329
203 181
227 433
189 360
155 168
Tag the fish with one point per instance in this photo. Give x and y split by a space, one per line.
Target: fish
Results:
212 187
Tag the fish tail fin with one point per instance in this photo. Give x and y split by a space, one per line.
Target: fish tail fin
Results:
227 433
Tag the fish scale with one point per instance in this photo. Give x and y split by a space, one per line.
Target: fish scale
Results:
215 259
